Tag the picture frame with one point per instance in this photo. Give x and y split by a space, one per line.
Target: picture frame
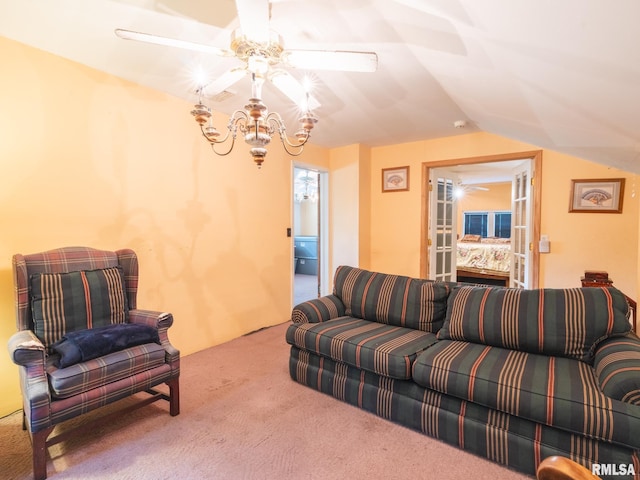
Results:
599 195
395 179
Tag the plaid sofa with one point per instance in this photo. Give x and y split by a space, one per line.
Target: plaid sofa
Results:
512 375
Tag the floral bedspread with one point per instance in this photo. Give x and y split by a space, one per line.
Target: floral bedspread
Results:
484 256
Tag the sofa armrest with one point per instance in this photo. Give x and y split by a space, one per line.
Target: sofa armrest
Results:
318 310
617 366
159 320
26 349
162 321
28 352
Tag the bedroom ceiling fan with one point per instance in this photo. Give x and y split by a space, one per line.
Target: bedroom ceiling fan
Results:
263 56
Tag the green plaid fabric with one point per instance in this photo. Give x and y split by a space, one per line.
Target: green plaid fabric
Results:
66 302
555 391
617 366
392 299
376 347
503 438
561 322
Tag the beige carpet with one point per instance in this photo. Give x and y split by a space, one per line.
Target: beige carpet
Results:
242 417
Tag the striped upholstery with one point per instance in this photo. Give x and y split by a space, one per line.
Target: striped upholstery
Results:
503 438
617 365
384 349
555 391
561 322
392 299
501 379
66 302
318 310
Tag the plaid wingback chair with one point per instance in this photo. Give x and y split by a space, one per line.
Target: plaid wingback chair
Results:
82 343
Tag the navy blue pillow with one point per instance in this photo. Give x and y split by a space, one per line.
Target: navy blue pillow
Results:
82 345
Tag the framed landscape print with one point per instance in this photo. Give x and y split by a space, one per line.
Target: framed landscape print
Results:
395 179
602 195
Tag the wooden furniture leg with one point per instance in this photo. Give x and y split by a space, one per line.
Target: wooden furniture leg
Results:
39 447
174 397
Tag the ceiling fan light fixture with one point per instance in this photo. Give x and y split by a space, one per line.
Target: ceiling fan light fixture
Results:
335 60
261 50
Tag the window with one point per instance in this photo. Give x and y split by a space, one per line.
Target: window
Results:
476 223
488 224
502 224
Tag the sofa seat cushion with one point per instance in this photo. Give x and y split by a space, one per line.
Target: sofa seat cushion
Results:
383 349
85 376
392 299
555 391
567 322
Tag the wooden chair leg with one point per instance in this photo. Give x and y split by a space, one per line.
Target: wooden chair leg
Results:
39 447
174 397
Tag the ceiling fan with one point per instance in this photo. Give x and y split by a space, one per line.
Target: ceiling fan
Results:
262 53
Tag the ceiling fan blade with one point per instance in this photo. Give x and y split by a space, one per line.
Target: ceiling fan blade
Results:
339 60
254 19
224 81
292 88
171 42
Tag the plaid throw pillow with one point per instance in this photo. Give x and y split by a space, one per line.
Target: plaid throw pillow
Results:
66 302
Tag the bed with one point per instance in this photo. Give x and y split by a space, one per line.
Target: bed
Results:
483 260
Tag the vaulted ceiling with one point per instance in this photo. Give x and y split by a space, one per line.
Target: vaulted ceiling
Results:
562 75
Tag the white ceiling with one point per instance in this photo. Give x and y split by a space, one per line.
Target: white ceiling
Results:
561 74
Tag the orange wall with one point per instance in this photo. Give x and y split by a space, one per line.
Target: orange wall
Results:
579 241
497 198
90 159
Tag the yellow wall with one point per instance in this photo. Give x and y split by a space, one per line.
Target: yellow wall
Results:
90 159
497 198
579 241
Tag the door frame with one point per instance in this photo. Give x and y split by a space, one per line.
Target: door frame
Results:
534 155
323 226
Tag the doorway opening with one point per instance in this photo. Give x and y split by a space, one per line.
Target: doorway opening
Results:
309 233
453 231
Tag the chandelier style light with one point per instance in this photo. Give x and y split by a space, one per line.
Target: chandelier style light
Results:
262 53
255 123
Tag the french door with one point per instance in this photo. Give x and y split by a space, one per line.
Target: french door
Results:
521 241
443 225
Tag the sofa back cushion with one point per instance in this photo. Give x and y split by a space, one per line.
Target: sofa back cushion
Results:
67 302
392 299
560 322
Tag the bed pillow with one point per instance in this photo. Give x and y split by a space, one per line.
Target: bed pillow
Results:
66 302
469 238
83 345
565 322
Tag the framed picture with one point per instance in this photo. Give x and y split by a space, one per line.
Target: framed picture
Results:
602 195
395 179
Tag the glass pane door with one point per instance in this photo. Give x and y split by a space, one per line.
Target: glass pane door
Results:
520 232
442 236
